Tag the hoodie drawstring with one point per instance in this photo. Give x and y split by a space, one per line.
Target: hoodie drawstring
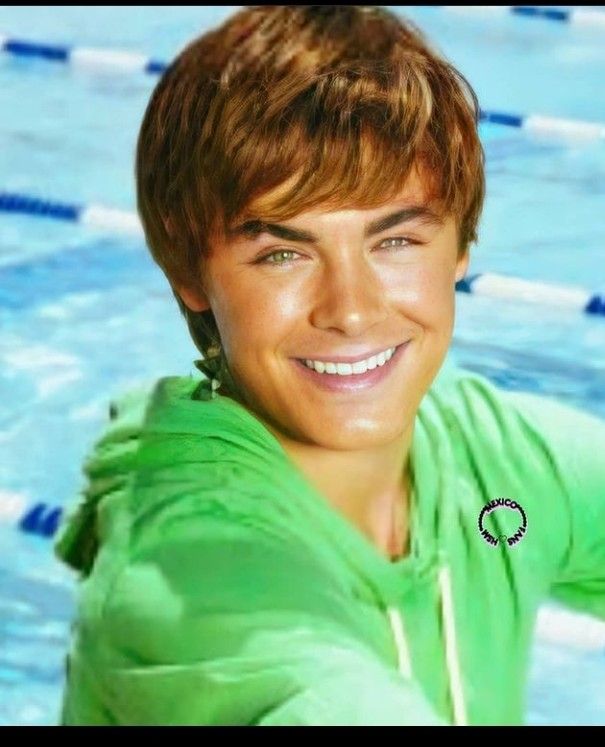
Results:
452 660
403 654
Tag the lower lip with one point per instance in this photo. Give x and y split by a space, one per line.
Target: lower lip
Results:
353 382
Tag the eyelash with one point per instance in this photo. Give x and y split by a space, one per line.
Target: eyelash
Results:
264 259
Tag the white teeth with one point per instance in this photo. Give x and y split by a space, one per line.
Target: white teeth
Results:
346 369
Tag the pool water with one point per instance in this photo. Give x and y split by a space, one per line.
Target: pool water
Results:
84 316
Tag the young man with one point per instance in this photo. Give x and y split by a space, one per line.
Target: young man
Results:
335 527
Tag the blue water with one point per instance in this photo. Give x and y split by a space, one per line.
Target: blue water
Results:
84 316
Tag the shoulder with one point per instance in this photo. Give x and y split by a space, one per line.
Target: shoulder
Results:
486 413
470 411
535 449
466 397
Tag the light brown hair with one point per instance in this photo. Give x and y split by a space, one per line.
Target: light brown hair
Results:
341 102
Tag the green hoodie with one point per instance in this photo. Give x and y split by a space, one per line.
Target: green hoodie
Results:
219 587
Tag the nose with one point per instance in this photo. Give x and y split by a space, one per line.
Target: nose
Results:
350 297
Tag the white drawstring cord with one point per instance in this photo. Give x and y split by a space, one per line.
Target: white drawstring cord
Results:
451 646
403 653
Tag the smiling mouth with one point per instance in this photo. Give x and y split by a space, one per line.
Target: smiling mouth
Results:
351 368
340 376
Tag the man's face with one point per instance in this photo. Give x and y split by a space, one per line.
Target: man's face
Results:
337 293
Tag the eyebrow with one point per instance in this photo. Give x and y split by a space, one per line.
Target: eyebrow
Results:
252 229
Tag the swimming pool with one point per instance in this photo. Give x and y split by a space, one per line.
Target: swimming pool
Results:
85 315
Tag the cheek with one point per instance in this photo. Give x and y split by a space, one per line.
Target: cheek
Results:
425 293
254 316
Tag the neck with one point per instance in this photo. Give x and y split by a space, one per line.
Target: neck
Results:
370 488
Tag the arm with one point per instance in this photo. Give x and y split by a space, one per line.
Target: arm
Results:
227 626
574 444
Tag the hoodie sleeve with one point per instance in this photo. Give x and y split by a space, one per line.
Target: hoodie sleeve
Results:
215 622
573 442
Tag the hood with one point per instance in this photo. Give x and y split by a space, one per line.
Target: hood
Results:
107 469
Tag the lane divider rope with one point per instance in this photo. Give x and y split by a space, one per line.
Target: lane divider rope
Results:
510 288
83 57
574 17
92 215
541 125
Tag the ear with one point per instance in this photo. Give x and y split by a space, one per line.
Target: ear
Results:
462 265
193 298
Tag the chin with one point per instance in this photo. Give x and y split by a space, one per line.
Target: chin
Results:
354 436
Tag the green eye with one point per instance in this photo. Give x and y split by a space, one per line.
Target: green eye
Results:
279 253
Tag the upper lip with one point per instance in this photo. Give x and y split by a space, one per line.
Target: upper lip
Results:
348 358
